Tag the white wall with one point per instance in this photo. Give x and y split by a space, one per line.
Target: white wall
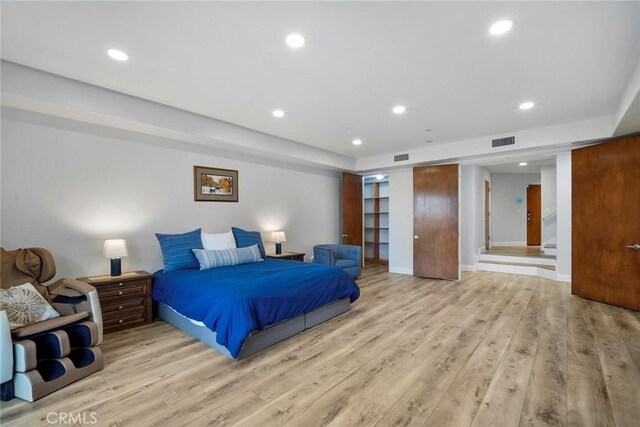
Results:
563 177
69 191
509 218
549 196
472 231
401 221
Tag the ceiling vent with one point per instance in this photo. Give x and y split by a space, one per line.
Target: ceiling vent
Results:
501 142
401 157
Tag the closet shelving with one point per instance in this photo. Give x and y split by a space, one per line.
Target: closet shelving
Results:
376 219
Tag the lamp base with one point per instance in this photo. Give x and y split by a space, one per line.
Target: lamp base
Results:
278 248
116 267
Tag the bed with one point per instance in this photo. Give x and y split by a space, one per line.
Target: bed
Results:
243 309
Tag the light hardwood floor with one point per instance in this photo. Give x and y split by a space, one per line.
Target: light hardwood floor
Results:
492 350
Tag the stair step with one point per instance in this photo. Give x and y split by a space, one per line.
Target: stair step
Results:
551 246
527 260
519 264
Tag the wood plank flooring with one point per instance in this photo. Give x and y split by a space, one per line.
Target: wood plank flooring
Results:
491 350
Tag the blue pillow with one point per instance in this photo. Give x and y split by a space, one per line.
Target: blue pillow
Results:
212 258
176 249
248 238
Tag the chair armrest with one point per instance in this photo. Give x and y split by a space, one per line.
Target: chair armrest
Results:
71 288
6 349
322 255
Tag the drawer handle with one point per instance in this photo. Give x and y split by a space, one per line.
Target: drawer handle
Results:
119 307
121 284
119 292
120 321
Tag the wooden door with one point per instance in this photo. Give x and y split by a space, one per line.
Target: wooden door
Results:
606 222
487 214
435 222
351 209
534 214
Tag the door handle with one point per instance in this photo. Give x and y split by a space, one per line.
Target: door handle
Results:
345 235
416 237
635 246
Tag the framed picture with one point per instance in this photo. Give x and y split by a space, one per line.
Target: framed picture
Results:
215 185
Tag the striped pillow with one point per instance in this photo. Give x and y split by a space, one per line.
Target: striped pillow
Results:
210 258
176 249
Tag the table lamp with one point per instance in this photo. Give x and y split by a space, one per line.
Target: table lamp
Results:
278 237
115 249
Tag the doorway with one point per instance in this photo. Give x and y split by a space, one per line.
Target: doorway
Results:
487 214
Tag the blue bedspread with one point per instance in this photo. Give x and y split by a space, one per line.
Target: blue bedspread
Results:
233 301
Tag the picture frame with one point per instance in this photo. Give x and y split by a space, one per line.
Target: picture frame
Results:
215 184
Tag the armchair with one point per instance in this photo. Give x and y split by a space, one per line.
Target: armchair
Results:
346 257
40 358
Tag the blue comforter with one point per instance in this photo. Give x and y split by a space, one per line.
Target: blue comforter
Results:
233 301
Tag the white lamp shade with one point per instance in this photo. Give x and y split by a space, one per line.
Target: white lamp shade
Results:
115 248
278 236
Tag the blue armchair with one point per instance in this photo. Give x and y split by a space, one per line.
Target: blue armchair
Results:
346 257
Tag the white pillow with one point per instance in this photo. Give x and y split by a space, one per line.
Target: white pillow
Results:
25 306
219 241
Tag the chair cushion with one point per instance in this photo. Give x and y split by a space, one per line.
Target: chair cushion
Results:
248 238
345 263
25 306
48 325
176 249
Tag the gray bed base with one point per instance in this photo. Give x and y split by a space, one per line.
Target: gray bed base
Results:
261 339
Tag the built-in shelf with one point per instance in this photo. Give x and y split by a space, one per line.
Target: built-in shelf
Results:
376 207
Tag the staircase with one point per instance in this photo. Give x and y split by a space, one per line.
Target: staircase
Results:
519 261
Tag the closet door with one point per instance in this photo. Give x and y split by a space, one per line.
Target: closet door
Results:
435 222
351 209
606 222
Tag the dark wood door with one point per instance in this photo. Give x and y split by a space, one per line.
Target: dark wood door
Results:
487 214
435 222
534 214
351 209
606 222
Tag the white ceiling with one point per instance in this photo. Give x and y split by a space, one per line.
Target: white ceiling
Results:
228 60
534 164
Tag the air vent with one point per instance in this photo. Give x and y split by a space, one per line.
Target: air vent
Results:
401 157
501 142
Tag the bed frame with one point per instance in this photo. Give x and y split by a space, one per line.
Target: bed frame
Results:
261 339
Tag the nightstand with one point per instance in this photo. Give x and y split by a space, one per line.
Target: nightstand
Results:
293 256
125 300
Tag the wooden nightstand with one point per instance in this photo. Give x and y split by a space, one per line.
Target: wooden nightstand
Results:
125 300
294 256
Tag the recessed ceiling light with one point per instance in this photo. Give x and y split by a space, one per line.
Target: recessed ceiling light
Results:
356 142
522 164
278 113
501 27
527 105
379 177
295 41
399 109
118 55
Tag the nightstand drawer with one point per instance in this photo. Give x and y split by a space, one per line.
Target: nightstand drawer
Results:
123 313
122 289
123 322
123 305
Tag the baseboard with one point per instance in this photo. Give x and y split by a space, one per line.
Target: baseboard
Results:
468 267
401 270
563 278
499 244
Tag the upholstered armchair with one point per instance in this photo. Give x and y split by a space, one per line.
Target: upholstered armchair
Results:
39 358
346 257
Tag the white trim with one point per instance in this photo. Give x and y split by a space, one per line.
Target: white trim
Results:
468 267
517 259
563 278
498 244
401 270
